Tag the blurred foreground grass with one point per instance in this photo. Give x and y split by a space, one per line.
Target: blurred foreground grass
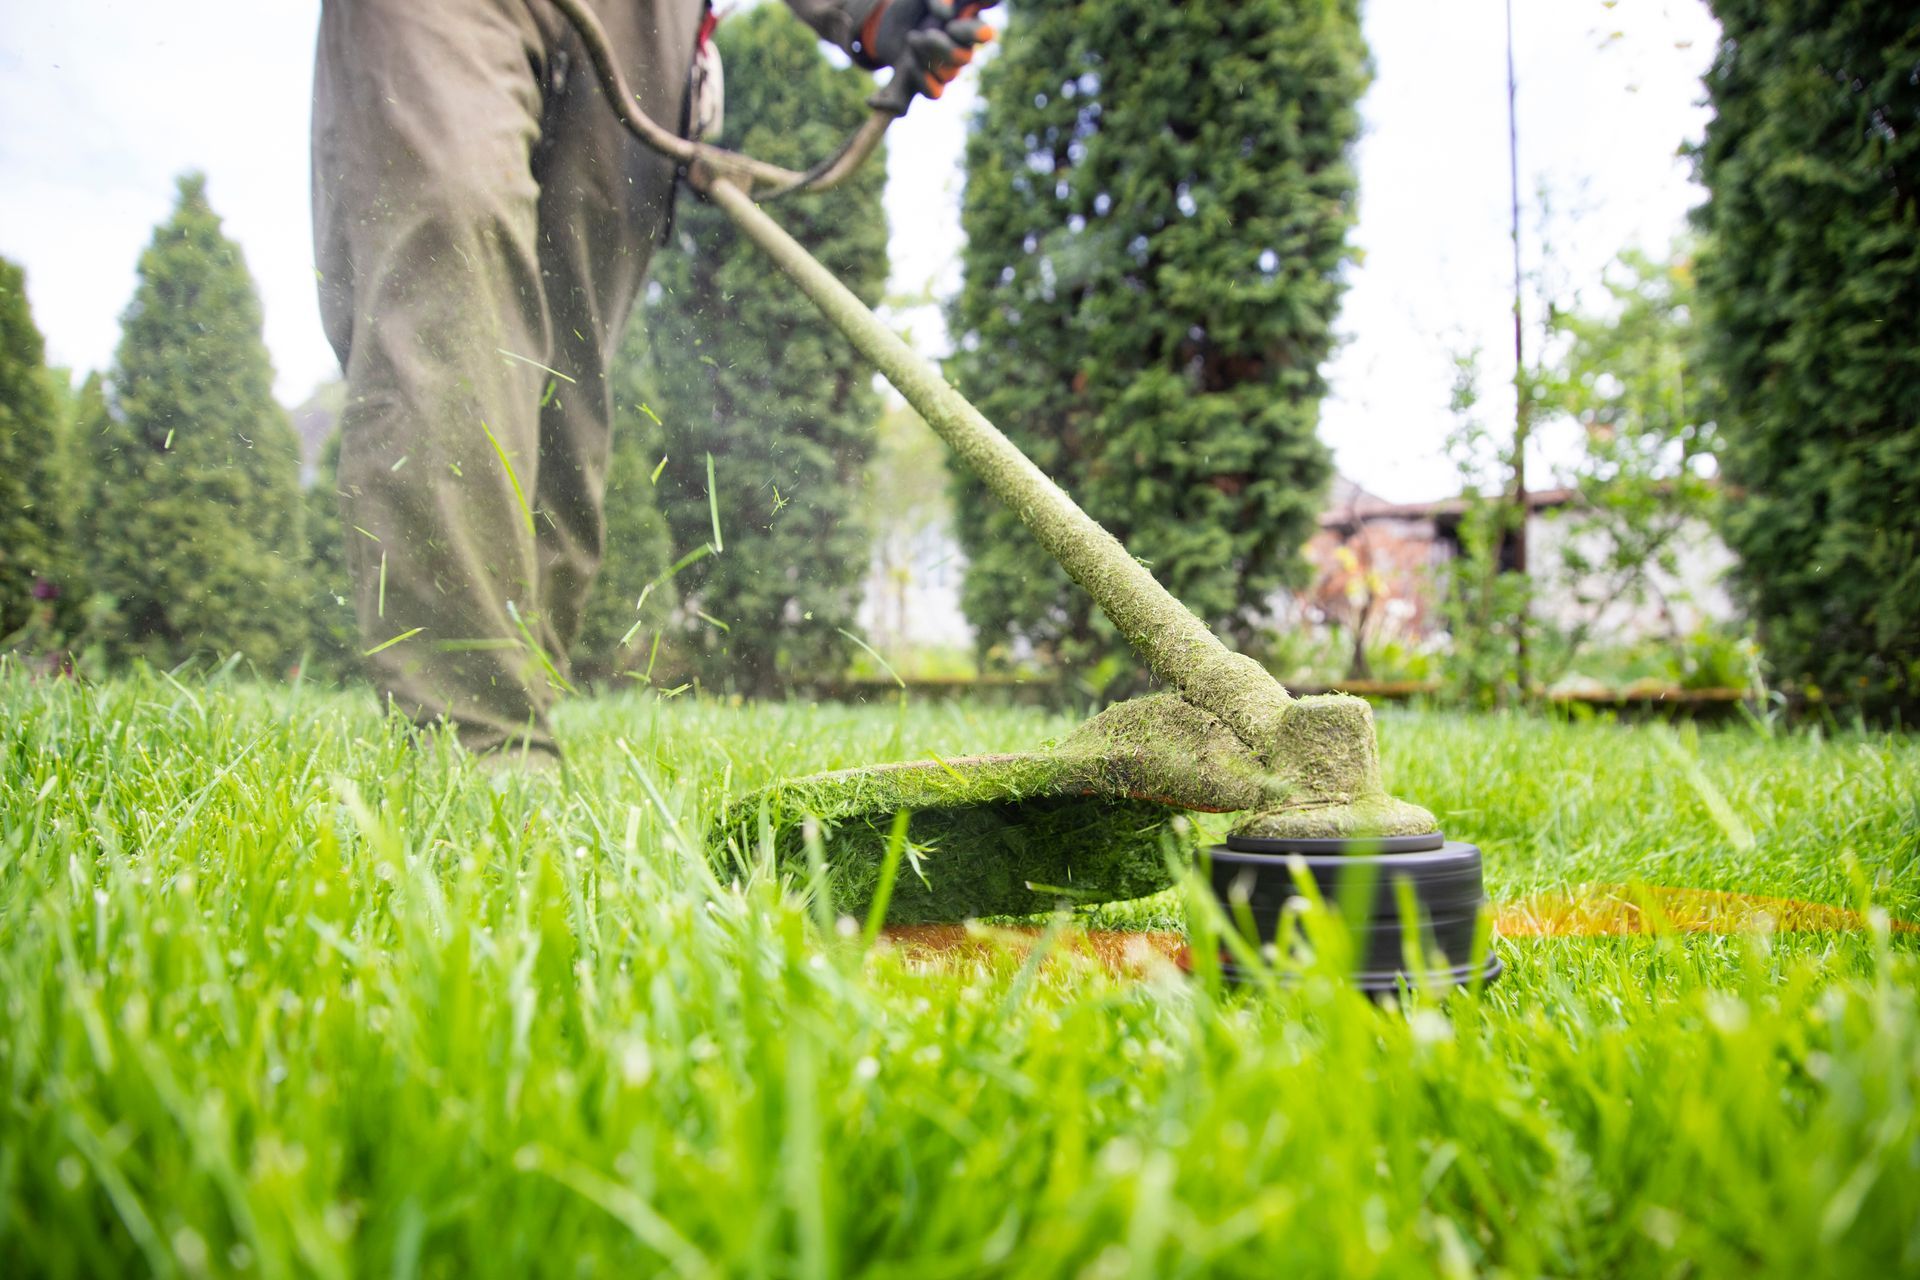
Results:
283 995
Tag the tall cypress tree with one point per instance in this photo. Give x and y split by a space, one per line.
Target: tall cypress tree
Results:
197 512
1810 286
30 515
748 373
332 641
1156 210
617 632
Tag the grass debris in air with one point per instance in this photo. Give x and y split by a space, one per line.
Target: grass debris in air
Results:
385 645
713 507
286 995
513 477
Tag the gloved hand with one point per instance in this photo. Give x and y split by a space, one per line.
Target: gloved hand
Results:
926 42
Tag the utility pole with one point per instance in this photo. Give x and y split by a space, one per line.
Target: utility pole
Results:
1522 401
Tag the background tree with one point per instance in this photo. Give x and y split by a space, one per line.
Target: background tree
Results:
1810 285
332 641
1482 592
1619 374
747 372
615 635
1157 204
32 563
83 416
911 506
196 504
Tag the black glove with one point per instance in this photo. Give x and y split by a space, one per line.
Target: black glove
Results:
926 42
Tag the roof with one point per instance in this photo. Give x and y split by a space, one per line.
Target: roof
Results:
1364 508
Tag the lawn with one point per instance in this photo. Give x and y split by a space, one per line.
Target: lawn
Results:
284 995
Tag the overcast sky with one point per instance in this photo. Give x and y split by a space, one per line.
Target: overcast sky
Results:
103 102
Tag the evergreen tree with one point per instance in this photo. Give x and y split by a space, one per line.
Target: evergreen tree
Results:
1642 464
83 415
333 630
31 562
1156 210
196 540
617 632
748 373
1810 286
85 605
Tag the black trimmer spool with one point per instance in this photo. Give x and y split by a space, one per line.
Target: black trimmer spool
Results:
1359 879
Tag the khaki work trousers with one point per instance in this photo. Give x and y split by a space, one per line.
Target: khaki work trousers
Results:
480 213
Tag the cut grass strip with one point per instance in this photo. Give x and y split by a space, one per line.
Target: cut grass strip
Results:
1593 912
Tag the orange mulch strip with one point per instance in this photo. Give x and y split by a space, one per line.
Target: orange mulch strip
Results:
1117 950
1593 911
1602 910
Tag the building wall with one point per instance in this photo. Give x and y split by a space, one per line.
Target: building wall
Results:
1690 597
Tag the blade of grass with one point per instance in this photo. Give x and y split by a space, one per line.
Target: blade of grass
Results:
539 652
700 553
889 871
713 506
535 363
513 478
884 664
384 645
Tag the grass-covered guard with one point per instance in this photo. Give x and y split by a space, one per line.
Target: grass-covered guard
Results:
282 995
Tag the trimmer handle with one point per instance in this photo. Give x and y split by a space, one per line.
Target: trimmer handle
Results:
704 163
897 94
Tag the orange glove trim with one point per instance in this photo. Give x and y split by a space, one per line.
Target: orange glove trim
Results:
870 29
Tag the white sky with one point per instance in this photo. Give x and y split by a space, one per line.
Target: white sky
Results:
103 102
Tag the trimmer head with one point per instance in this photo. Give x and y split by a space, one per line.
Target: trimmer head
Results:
1091 819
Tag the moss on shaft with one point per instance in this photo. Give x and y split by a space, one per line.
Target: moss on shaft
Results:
1176 645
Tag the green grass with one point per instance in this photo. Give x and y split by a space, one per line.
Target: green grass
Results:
283 995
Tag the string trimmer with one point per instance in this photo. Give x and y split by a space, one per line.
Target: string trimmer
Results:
1089 818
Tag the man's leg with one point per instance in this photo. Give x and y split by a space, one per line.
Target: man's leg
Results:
426 116
604 203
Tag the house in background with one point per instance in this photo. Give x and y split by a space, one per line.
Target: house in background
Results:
1380 568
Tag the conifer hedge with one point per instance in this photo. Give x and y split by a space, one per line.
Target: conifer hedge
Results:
1810 283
